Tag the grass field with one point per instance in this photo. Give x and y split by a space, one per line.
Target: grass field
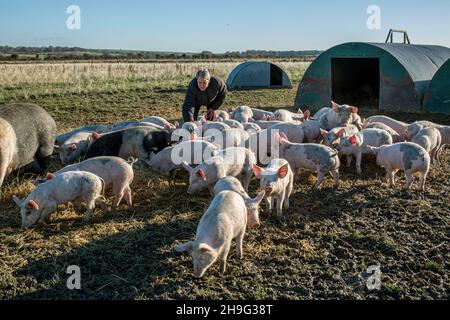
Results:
321 249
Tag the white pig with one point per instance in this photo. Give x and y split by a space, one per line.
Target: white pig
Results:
170 160
76 146
338 116
356 145
278 182
76 187
233 184
311 129
242 114
333 137
161 122
412 130
287 116
234 124
430 139
221 115
99 128
378 125
229 162
259 114
313 157
396 125
116 172
406 156
251 127
227 138
263 124
224 221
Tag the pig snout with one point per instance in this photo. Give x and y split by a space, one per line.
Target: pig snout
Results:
268 189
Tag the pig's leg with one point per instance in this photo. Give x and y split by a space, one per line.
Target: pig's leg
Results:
288 194
434 155
3 170
247 178
223 258
77 204
423 178
239 245
46 212
409 180
349 161
320 178
389 175
335 175
358 163
280 202
42 157
128 197
90 206
119 191
270 203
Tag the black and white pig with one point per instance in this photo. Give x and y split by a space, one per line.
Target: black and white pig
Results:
139 142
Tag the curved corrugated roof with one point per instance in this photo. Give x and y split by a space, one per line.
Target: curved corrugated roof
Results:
437 96
421 61
238 78
238 69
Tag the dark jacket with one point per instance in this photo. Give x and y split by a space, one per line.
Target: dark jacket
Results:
212 98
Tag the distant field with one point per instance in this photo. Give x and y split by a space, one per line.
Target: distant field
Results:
320 250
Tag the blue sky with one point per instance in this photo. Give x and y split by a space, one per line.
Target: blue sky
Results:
218 26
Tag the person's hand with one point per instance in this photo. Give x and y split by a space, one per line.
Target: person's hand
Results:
210 115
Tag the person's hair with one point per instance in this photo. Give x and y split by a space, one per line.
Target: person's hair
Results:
203 73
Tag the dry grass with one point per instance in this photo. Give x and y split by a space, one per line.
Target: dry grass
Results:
25 78
326 241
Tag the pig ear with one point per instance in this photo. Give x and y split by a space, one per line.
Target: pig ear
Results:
354 109
50 176
17 200
352 139
279 139
341 133
324 133
374 150
204 248
184 247
306 115
187 167
73 147
256 200
334 106
283 171
201 174
257 171
33 204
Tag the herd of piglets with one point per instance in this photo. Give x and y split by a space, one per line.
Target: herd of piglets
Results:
221 156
